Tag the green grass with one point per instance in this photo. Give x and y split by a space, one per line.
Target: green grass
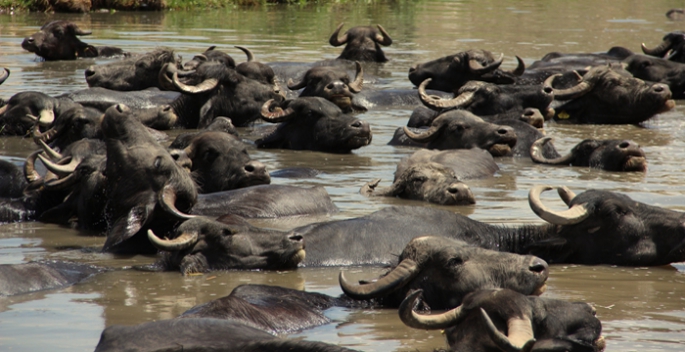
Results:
64 5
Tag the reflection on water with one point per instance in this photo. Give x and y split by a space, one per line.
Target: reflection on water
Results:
642 309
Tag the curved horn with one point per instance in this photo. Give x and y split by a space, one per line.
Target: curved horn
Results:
428 135
566 194
383 38
570 93
660 50
520 67
30 172
163 77
427 322
574 215
520 339
476 67
358 83
295 86
279 115
247 52
334 40
57 169
167 199
186 240
538 157
395 279
53 154
460 100
206 86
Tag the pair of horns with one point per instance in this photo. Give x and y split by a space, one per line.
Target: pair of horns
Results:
520 337
584 86
383 38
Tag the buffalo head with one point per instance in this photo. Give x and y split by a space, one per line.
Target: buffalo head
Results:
363 43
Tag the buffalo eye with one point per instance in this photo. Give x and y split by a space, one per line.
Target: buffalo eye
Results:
456 261
645 64
420 179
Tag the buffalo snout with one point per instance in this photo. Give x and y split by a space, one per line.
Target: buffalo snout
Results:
461 193
539 266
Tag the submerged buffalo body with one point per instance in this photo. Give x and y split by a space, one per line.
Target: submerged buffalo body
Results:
18 279
134 73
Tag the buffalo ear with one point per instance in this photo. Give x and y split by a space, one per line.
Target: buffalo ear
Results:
127 226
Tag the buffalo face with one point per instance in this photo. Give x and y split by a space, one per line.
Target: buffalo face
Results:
201 245
220 163
363 43
147 189
658 70
608 96
331 83
446 270
458 129
429 182
57 41
313 123
610 155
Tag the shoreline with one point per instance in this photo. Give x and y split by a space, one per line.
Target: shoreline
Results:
85 6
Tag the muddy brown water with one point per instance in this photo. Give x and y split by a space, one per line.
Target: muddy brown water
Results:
642 309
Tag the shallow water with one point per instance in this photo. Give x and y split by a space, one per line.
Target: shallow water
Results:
642 309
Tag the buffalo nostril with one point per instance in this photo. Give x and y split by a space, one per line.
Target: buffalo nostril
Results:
249 168
296 238
658 88
502 131
538 266
90 71
548 90
330 86
29 39
624 145
413 68
528 112
357 124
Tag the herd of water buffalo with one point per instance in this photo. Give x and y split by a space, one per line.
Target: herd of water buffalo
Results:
104 167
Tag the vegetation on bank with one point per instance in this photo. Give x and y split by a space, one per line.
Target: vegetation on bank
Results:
136 5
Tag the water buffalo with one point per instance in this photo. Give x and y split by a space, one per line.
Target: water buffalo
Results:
451 72
314 123
467 164
18 279
599 228
446 270
201 334
216 90
145 187
431 182
134 73
482 98
459 129
71 125
200 245
654 69
57 40
610 155
331 83
25 109
672 47
363 43
605 95
220 162
512 322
